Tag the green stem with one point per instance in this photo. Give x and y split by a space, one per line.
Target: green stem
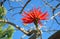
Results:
36 24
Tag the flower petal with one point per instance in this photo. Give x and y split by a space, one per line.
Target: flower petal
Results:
44 16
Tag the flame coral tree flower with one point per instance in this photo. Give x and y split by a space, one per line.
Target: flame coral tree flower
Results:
34 16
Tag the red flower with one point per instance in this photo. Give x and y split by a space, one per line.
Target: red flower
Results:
34 15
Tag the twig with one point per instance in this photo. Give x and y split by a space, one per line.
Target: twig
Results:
53 9
46 3
53 13
25 6
13 8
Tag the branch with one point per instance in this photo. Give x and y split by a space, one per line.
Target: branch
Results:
19 28
46 3
53 9
13 8
25 6
18 7
53 13
56 7
36 35
28 33
1 3
53 17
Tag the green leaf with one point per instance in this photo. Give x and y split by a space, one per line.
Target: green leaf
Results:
1 32
2 24
8 32
2 12
4 38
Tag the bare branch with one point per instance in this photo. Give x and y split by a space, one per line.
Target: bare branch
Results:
18 7
34 32
53 9
46 3
16 26
55 15
25 6
28 33
1 3
36 35
13 8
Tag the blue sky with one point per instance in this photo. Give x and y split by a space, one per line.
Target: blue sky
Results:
34 3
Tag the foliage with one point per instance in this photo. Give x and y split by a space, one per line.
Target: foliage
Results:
6 33
2 12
